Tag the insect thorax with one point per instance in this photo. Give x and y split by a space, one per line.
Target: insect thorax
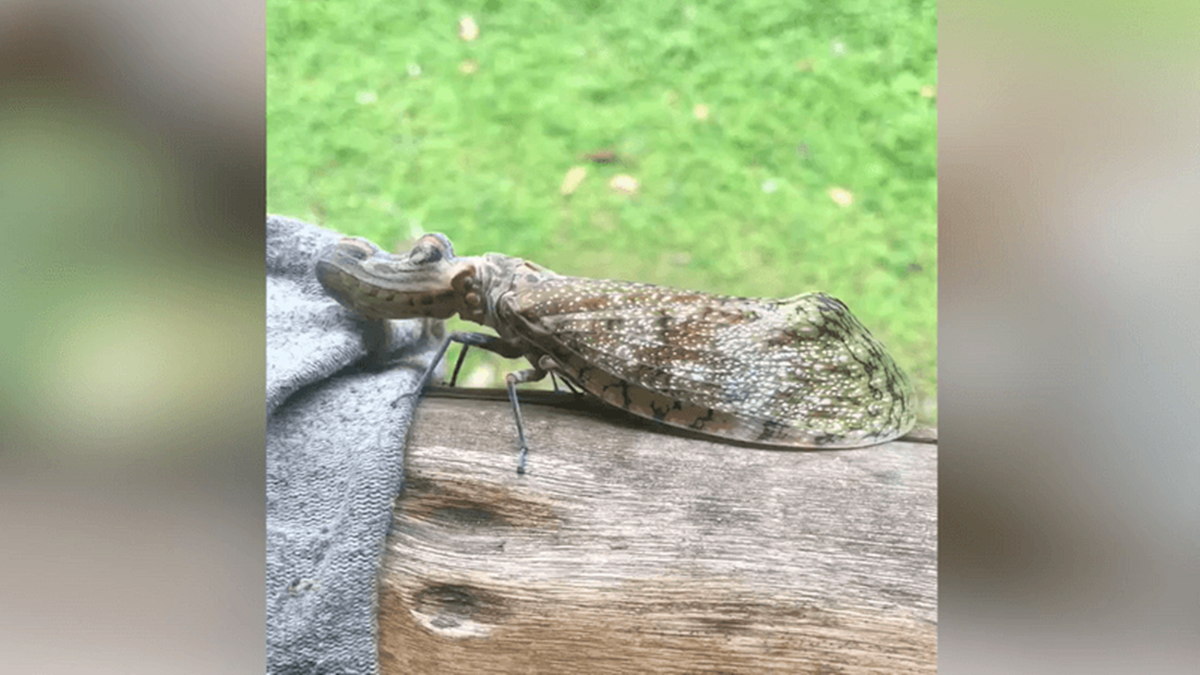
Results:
497 276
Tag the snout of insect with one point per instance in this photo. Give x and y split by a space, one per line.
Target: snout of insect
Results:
334 282
328 274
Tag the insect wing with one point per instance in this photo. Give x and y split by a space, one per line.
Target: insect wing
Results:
801 371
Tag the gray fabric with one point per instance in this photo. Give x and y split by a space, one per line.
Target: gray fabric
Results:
335 444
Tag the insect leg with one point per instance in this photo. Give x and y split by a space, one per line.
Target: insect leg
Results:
462 354
481 340
572 387
432 365
555 379
512 380
491 343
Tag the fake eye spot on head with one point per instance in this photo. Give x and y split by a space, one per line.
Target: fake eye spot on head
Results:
431 248
356 248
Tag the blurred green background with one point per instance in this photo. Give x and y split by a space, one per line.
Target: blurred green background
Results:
774 147
131 396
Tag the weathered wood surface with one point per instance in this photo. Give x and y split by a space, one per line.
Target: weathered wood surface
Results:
631 550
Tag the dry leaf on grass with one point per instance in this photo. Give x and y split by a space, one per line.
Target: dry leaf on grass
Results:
467 29
602 156
624 183
572 180
841 197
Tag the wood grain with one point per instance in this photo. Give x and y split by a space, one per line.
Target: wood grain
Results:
627 549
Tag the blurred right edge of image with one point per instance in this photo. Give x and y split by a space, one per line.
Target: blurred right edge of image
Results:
1069 191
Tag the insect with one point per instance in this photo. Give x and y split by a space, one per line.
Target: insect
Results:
799 372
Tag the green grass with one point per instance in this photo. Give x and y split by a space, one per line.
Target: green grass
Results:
375 129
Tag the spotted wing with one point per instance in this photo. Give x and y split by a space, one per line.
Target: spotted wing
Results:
801 371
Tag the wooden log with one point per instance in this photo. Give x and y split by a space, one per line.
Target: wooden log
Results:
627 549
